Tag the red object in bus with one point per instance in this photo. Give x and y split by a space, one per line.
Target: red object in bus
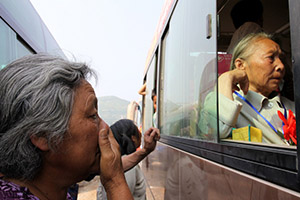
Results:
289 127
224 61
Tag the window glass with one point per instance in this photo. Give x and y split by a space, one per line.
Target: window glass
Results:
11 48
27 20
148 100
21 49
27 24
7 47
253 117
188 73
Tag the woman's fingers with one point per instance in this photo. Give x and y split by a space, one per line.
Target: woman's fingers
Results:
110 160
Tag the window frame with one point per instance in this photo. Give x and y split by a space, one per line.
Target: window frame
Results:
294 7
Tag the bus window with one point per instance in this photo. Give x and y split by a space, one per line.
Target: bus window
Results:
22 32
150 83
7 47
253 117
188 68
22 48
12 46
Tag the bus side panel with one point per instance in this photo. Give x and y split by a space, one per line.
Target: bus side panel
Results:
173 174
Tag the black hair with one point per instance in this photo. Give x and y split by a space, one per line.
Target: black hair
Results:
153 94
246 11
123 130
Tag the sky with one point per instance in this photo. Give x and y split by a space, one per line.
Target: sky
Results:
112 36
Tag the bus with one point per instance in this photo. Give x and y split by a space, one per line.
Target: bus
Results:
191 161
22 32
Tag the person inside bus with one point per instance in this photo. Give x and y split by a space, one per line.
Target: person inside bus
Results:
142 91
154 99
247 17
50 133
248 94
129 138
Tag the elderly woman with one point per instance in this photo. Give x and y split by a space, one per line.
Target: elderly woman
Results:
50 133
248 94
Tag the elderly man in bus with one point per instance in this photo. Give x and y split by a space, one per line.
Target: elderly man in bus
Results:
51 135
249 93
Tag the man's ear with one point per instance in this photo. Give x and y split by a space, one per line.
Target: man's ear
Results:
240 64
40 142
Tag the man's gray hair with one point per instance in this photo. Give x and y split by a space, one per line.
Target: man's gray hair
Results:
36 99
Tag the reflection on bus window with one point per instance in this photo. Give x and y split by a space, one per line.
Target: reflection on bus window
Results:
188 73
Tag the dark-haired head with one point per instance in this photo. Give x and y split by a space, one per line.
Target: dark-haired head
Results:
247 11
127 135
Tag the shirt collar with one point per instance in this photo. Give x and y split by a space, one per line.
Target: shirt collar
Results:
258 100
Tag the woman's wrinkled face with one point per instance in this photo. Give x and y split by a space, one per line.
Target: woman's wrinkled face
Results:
79 153
264 67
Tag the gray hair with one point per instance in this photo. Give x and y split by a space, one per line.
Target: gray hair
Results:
244 49
36 99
